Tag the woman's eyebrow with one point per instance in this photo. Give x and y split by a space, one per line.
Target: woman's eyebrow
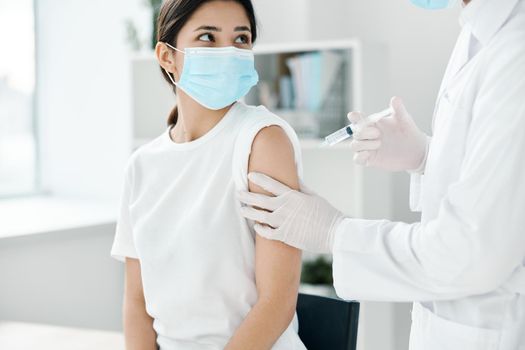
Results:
242 29
210 28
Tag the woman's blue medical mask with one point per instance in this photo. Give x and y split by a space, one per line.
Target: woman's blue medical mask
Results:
434 4
216 77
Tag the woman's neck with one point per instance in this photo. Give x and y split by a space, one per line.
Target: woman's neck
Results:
193 119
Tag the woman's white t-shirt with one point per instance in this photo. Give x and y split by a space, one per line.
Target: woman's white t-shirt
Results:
180 217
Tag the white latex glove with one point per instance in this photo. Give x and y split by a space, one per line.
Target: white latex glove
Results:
394 143
300 219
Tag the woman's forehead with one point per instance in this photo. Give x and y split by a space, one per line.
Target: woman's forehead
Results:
224 15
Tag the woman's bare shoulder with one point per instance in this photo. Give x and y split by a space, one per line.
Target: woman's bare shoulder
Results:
273 154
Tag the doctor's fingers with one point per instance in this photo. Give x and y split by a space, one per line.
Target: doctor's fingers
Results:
269 184
258 200
261 216
369 132
365 145
267 232
355 117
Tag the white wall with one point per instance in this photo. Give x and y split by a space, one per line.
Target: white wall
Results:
281 20
83 101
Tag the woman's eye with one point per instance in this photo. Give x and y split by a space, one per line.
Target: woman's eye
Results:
242 39
206 37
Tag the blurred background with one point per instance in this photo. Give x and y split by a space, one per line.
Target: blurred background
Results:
80 90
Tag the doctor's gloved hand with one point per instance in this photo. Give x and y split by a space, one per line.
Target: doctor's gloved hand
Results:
300 219
394 143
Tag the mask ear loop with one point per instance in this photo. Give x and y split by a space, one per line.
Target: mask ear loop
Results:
169 76
168 73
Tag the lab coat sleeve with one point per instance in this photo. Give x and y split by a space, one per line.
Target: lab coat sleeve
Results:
477 239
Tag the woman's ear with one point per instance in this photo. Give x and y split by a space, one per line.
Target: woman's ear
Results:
166 58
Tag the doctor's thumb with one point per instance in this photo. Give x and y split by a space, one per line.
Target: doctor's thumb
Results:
400 112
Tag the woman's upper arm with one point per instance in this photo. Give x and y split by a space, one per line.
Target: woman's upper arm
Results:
133 289
278 266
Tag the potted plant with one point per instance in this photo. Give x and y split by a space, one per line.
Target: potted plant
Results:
316 277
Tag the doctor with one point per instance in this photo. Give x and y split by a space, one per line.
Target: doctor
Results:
463 264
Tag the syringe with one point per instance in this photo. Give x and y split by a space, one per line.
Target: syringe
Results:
347 132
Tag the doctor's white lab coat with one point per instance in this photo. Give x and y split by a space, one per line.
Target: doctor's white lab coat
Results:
463 264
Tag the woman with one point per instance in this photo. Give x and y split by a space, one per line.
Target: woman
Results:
197 275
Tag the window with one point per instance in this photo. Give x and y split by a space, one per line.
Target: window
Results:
18 156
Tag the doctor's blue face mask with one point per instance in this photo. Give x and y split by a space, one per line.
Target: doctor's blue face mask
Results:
216 77
434 4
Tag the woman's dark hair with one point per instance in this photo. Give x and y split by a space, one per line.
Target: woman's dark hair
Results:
173 16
